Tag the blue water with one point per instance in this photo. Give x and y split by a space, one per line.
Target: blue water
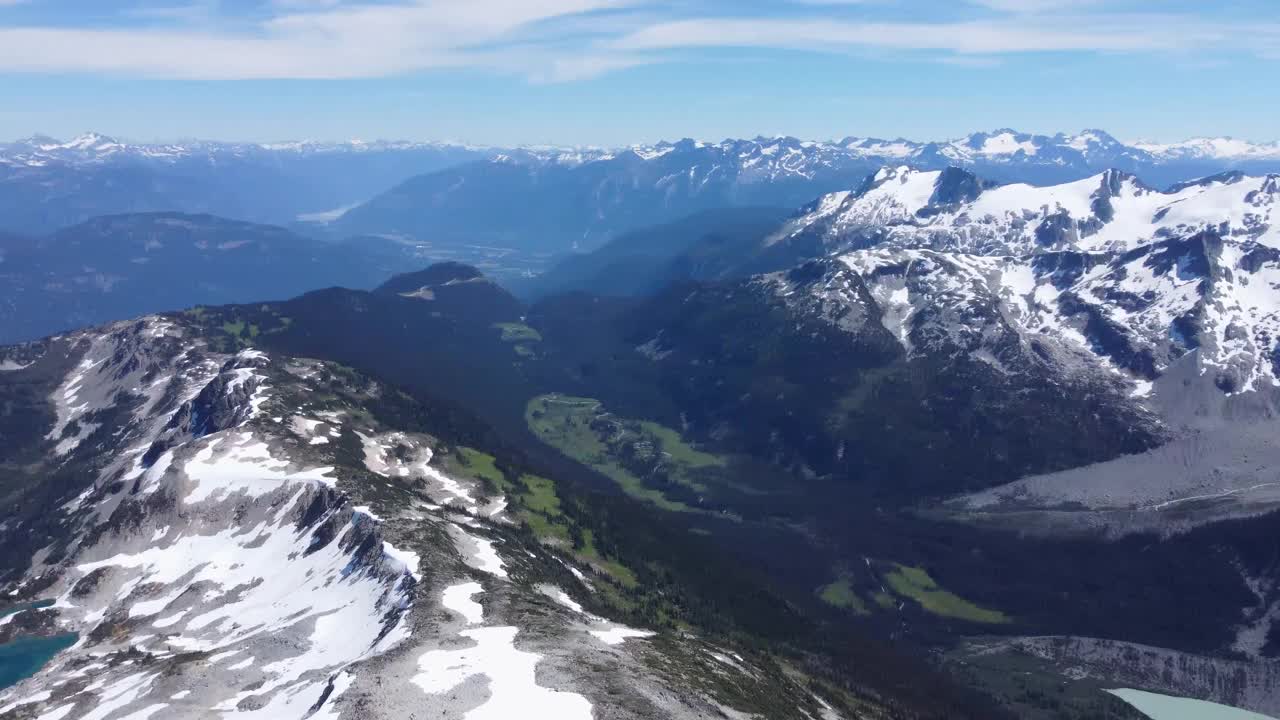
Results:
25 606
24 656
1167 707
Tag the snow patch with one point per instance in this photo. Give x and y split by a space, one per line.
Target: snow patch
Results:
458 599
513 690
620 634
235 464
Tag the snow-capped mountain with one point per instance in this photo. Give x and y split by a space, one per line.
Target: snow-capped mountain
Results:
1202 299
39 150
1162 306
580 199
237 533
1091 148
1106 266
1211 149
444 192
1094 148
999 154
954 210
48 184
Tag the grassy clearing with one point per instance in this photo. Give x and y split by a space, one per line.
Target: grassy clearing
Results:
623 449
915 584
678 450
239 329
565 424
518 333
537 504
483 466
540 509
540 495
546 529
840 594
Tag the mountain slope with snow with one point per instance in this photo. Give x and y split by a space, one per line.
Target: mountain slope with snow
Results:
1169 298
243 534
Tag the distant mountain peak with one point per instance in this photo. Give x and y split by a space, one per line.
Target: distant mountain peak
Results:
1093 147
91 139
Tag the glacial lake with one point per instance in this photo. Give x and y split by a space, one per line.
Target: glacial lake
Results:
24 656
12 609
1168 707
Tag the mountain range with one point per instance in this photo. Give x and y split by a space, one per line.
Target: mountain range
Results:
976 429
580 201
571 198
46 184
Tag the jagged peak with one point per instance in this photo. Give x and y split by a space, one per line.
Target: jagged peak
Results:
956 185
1090 136
1113 181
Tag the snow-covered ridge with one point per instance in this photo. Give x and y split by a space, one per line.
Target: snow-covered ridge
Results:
1112 211
1088 148
1220 148
205 534
1104 277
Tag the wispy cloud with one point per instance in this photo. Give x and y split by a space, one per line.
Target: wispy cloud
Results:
990 37
1035 6
339 40
567 40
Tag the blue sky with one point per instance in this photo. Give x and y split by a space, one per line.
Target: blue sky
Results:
610 72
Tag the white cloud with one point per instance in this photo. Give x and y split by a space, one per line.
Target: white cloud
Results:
342 41
565 40
1034 6
994 37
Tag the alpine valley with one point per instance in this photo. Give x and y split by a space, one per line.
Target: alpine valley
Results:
972 429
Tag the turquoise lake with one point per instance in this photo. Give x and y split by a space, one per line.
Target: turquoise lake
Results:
24 656
1167 707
